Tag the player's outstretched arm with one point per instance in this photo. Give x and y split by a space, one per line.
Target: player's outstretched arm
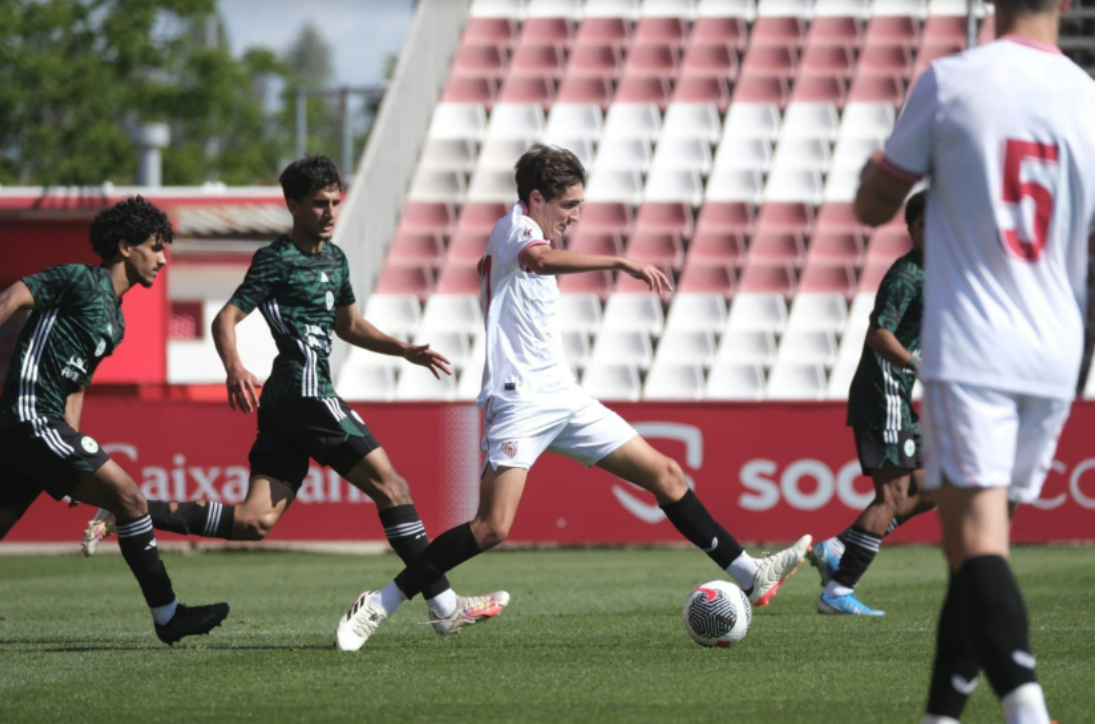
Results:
543 259
13 299
884 343
241 384
352 328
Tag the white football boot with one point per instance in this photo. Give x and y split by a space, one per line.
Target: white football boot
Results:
774 569
99 528
359 623
470 610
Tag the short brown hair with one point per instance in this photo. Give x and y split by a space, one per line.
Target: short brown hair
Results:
549 169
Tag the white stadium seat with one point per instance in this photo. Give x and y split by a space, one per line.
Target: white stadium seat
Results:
796 381
515 9
810 120
580 313
734 184
521 120
748 347
840 378
692 155
454 313
456 154
794 185
753 120
576 349
686 9
437 184
860 9
852 152
752 154
571 9
948 7
819 311
902 8
615 185
811 154
471 377
454 346
703 312
746 9
675 185
623 154
842 185
675 381
807 347
613 9
640 312
573 120
622 347
394 314
612 382
583 149
501 153
786 8
758 312
633 120
693 120
458 120
686 346
492 185
867 120
417 383
366 376
734 381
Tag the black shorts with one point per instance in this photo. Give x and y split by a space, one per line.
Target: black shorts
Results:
876 448
324 429
44 454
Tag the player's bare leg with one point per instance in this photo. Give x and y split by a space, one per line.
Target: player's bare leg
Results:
639 463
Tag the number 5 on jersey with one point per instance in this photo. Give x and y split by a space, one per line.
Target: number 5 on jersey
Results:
1044 157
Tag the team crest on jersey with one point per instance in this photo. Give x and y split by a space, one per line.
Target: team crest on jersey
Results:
510 448
89 445
527 233
908 448
101 348
329 301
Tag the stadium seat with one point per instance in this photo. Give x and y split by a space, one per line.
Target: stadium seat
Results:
841 185
842 31
418 384
717 60
599 283
705 277
466 247
501 153
452 312
414 247
812 154
836 247
516 120
489 31
427 216
684 9
438 185
692 120
721 216
688 346
818 311
616 9
457 278
481 217
768 278
887 243
786 31
906 9
623 154
734 184
622 347
709 90
770 60
786 8
794 185
852 153
828 278
872 274
930 52
877 89
634 312
615 185
558 31
728 381
480 61
887 60
725 29
755 120
859 311
600 61
752 154
583 149
458 120
675 381
796 381
835 61
810 120
642 89
946 8
717 247
596 242
940 30
470 379
867 120
841 375
576 346
748 346
470 89
580 313
515 9
612 382
837 217
492 185
671 217
673 184
596 91
538 61
660 31
394 314
761 89
758 312
615 218
452 345
658 61
603 30
574 120
775 247
457 154
571 9
891 29
633 120
656 247
703 312
813 89
860 9
362 379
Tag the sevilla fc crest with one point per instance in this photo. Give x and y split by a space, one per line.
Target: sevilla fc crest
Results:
510 448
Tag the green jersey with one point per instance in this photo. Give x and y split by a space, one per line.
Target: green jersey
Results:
76 322
879 396
297 293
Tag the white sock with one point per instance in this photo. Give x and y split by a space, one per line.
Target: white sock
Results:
389 598
444 604
1025 705
934 719
835 589
743 569
163 614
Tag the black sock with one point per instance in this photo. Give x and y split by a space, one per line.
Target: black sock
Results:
211 520
956 665
861 549
138 545
408 537
895 523
448 551
692 519
998 622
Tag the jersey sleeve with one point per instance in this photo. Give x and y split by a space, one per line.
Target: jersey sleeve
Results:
50 287
908 152
511 250
263 275
892 300
346 293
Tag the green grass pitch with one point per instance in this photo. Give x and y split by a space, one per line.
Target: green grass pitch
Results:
591 636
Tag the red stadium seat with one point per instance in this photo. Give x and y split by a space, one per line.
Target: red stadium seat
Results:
778 60
834 31
520 89
945 30
596 282
604 31
603 61
828 60
768 278
887 244
490 31
891 31
871 275
794 218
775 247
466 247
986 31
703 89
537 60
828 278
458 278
592 90
427 216
416 247
626 284
731 216
718 59
720 30
761 89
704 278
480 216
717 247
660 31
819 89
660 61
836 247
930 52
547 31
660 248
837 216
657 216
470 89
777 31
396 279
480 61
605 216
643 90
596 242
891 60
876 89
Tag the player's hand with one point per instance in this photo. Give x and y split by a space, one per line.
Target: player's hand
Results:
424 356
657 281
241 386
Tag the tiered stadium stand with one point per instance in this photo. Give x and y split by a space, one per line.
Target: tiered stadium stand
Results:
723 141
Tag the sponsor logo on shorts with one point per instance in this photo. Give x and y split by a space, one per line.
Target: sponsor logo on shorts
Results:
329 300
89 445
908 448
510 448
357 417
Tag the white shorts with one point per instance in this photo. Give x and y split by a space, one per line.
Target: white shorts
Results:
980 437
570 423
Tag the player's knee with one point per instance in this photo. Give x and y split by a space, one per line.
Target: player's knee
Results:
490 534
254 526
392 490
671 482
130 504
894 496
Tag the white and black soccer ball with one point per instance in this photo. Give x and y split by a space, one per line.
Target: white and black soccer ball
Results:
717 613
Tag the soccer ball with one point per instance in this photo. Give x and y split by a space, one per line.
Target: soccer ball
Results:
717 613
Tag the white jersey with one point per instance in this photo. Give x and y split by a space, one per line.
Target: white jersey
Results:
1005 133
524 353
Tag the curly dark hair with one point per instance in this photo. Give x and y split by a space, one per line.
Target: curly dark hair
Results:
133 220
916 206
549 169
308 175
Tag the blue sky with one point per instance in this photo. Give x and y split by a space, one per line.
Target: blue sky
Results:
361 33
